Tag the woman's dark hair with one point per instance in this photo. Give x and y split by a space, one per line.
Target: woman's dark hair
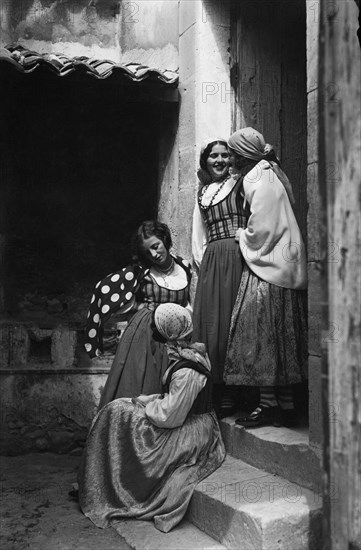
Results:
205 154
147 229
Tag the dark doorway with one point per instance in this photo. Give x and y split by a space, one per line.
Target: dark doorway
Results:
80 161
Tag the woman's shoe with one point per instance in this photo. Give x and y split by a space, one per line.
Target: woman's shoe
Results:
261 416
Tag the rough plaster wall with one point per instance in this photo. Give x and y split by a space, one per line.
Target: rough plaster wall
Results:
75 27
149 33
143 31
205 108
47 412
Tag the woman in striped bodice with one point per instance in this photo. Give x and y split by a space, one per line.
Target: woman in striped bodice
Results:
220 211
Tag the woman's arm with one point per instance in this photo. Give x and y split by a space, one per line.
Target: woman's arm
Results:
116 293
143 400
199 236
264 226
172 410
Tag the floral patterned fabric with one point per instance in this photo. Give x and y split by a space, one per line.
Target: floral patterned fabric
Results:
267 343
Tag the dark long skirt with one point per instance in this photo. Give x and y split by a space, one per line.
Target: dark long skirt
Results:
139 362
217 289
132 469
267 343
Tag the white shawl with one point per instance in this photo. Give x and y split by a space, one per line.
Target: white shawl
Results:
272 244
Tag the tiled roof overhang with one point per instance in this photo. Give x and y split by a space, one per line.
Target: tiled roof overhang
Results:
27 61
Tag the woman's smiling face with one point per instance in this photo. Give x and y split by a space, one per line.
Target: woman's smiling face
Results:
218 162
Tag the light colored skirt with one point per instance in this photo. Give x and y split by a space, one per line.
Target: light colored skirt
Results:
139 362
217 288
267 343
132 469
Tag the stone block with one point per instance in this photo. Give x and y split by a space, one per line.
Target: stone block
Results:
47 411
315 401
241 503
314 309
313 213
4 347
63 345
280 451
19 346
14 346
312 26
312 125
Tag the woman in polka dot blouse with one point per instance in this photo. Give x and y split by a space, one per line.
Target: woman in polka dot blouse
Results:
157 277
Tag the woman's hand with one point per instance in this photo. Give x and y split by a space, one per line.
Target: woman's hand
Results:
143 400
238 234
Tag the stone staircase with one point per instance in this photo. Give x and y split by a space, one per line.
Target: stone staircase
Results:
265 496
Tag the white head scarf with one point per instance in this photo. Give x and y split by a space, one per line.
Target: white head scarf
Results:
174 323
250 144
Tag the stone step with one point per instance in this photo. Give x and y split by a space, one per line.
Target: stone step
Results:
282 451
142 535
247 508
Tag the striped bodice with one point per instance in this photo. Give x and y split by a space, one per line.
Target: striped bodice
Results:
224 218
153 294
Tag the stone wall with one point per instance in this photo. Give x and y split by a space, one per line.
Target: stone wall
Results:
50 388
314 239
47 411
340 187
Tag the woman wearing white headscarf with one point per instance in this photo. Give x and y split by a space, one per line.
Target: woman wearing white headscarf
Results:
267 345
144 456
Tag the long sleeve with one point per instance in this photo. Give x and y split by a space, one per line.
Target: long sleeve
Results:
272 244
172 410
199 236
116 292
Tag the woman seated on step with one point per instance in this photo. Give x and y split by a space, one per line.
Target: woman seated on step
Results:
145 455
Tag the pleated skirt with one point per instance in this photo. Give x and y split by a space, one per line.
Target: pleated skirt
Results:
132 469
267 344
217 288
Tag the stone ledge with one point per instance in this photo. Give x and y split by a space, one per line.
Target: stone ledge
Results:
142 535
280 451
47 370
241 503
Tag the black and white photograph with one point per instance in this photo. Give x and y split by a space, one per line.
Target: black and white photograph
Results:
180 275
